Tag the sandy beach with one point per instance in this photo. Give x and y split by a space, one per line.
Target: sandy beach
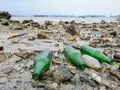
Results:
22 39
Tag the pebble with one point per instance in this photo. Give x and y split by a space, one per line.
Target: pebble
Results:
30 64
31 38
3 80
102 88
42 35
76 79
18 28
96 78
15 59
52 86
5 22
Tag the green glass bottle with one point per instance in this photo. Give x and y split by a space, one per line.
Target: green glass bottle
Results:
95 53
42 64
74 56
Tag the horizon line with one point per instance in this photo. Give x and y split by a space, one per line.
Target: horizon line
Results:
58 15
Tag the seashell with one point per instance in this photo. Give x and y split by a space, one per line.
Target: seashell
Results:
91 62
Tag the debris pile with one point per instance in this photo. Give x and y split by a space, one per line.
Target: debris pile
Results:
21 43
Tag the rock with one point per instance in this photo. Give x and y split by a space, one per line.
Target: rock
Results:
61 23
91 62
96 78
116 56
65 26
35 24
93 76
41 85
102 22
15 59
31 23
3 80
107 83
66 76
54 62
48 23
66 22
4 15
52 86
19 68
43 35
102 88
68 87
4 22
30 64
25 54
56 77
76 87
72 28
113 33
104 25
1 48
27 21
84 78
31 38
18 28
14 22
7 70
116 73
16 40
76 79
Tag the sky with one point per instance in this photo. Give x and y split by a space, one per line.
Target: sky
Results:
61 7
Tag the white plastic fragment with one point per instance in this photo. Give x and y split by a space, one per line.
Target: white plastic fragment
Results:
91 62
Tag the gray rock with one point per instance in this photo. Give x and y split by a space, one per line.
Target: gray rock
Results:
76 79
30 64
27 21
4 22
66 75
31 23
31 38
7 70
41 85
72 28
25 54
52 86
3 80
35 24
48 23
73 87
18 28
14 22
102 88
4 15
102 22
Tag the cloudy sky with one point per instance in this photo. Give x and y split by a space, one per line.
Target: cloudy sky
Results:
62 7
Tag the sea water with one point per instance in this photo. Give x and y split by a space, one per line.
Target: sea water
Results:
57 19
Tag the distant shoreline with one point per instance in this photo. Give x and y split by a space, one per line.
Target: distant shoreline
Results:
83 16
